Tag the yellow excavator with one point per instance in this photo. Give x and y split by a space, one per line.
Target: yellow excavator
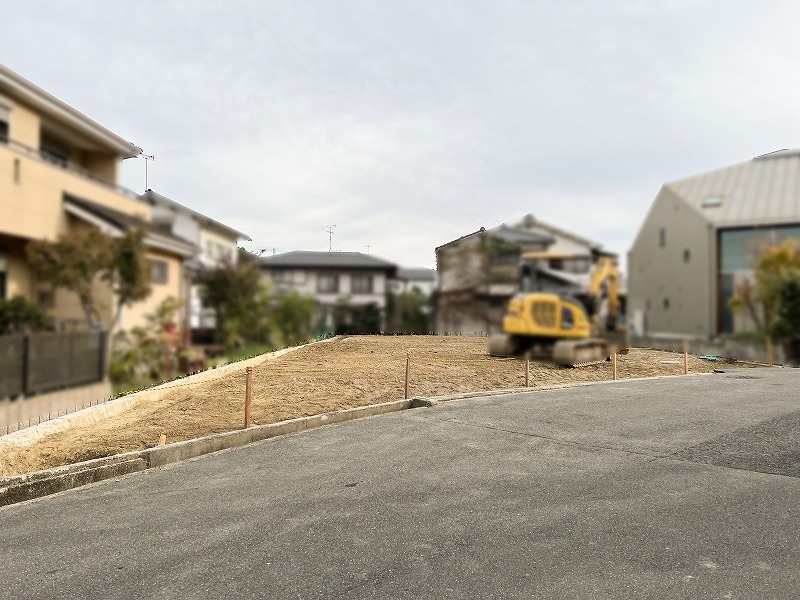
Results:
564 329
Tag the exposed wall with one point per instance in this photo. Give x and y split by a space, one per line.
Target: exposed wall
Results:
135 315
668 290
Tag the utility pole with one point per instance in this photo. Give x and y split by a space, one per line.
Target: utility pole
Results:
329 229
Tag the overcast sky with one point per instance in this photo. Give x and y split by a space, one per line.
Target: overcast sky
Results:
408 124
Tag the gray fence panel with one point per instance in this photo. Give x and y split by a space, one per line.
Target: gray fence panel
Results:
32 364
86 363
12 366
48 362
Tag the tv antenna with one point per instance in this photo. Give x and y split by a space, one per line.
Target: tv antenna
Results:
147 157
329 229
368 246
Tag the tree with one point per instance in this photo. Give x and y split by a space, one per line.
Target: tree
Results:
292 316
18 315
151 352
241 302
416 312
775 266
80 258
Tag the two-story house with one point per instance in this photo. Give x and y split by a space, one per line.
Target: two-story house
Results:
343 283
216 244
477 275
479 272
59 171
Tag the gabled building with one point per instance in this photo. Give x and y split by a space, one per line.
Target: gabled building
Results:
410 278
699 240
215 243
344 284
59 170
479 273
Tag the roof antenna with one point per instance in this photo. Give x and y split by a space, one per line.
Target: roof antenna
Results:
146 158
329 229
368 246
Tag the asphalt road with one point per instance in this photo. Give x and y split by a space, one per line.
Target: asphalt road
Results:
671 488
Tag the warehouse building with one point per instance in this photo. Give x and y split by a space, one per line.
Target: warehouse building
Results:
699 240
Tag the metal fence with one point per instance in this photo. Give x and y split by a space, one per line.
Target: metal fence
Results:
32 364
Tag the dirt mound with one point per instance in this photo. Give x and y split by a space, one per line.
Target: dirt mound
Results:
344 373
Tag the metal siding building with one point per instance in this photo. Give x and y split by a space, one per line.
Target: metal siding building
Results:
698 241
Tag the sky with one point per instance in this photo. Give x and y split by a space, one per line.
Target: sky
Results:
407 124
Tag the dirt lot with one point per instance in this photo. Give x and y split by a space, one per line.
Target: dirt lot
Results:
324 377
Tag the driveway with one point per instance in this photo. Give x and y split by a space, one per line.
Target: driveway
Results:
671 488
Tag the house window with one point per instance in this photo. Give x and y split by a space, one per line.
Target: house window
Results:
666 303
327 284
47 299
159 271
687 254
282 276
5 113
362 284
662 237
53 151
504 258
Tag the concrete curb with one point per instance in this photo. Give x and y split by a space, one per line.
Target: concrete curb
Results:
50 481
93 414
28 486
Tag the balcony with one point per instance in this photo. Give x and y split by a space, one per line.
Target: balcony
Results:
60 161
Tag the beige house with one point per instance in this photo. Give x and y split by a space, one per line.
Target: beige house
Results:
698 242
216 244
59 171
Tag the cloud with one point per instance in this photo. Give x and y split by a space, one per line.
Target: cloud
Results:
410 124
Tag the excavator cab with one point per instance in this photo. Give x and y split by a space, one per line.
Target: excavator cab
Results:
562 328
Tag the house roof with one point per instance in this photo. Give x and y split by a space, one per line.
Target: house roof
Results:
156 235
155 199
530 221
327 260
20 88
512 235
515 235
764 190
416 274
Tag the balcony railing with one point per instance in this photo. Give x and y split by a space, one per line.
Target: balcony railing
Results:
48 158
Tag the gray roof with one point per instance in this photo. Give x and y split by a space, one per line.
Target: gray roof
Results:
17 86
327 260
509 234
518 236
529 221
125 221
155 199
416 274
763 190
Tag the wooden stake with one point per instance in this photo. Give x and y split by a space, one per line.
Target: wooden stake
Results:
247 395
685 357
408 368
770 357
527 368
614 362
162 440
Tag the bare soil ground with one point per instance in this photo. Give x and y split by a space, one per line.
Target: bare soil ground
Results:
343 373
